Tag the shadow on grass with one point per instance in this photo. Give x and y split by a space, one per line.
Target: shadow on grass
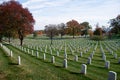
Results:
10 63
116 63
81 75
75 73
6 56
58 66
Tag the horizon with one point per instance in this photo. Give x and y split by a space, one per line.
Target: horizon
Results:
61 11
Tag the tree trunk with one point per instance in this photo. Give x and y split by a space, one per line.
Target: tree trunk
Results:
21 36
21 42
61 35
0 38
9 38
73 32
51 37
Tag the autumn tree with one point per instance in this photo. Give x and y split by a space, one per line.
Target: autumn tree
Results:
15 19
73 25
51 31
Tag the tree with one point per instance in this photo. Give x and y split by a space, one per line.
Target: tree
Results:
98 31
16 20
86 28
90 32
35 34
51 31
61 29
1 34
73 25
115 25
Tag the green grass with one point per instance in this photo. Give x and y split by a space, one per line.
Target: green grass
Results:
10 70
33 68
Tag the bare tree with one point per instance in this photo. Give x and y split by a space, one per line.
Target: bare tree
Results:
61 29
51 31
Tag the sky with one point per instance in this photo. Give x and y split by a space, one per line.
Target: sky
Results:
61 11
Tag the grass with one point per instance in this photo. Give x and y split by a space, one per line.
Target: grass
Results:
10 70
33 68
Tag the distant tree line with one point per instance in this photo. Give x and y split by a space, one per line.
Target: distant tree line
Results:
70 28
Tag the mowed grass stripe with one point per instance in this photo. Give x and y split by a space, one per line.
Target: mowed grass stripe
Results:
75 70
10 71
52 71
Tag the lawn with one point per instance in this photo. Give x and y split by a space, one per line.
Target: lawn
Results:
34 67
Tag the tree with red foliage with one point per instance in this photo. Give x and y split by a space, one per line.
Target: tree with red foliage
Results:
73 25
16 19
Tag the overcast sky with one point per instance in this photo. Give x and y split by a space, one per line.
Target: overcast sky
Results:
61 11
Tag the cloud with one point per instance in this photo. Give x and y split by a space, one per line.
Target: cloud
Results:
38 4
57 11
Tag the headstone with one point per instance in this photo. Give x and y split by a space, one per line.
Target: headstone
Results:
57 53
65 56
115 56
111 52
1 44
45 50
51 51
91 55
89 60
19 60
53 48
107 64
37 48
104 57
72 52
44 56
65 63
65 49
76 58
28 51
22 48
112 75
41 49
87 50
84 69
81 54
53 59
32 52
11 54
37 54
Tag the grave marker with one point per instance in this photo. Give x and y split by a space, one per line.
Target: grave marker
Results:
84 69
65 63
112 75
